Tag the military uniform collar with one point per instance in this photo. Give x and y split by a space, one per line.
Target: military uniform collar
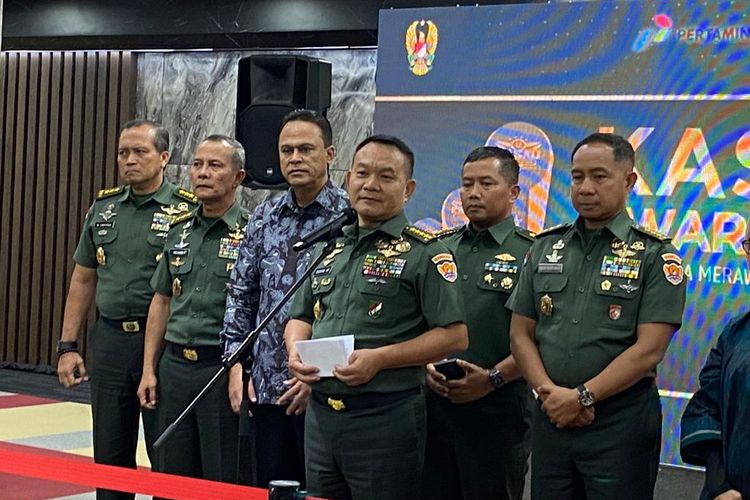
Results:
326 198
392 227
230 217
499 231
162 195
619 226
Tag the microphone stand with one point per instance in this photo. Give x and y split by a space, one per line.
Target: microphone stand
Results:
228 361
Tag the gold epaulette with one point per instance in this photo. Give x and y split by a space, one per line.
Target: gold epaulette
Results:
186 195
654 234
181 218
525 233
106 193
448 231
419 234
553 229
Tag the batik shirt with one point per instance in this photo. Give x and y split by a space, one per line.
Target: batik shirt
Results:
719 411
265 269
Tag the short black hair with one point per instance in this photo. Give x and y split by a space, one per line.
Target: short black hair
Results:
238 151
621 148
311 116
508 165
161 134
390 140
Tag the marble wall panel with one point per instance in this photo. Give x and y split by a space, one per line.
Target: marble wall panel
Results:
194 94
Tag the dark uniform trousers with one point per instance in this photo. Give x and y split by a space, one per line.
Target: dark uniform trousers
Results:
478 450
115 369
279 444
618 454
368 454
205 444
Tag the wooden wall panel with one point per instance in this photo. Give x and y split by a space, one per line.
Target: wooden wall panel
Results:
59 118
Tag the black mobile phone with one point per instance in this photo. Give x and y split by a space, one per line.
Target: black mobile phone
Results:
450 368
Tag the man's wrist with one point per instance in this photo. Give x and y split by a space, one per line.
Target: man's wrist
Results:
66 346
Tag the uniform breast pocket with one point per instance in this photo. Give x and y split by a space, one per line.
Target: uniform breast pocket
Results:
103 241
155 245
104 236
616 304
179 262
549 293
223 269
380 305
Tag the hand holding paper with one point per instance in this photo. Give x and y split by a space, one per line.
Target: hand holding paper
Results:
326 353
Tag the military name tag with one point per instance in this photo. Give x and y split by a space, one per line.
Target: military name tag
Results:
104 225
376 265
548 267
501 267
322 271
229 248
620 267
160 222
180 252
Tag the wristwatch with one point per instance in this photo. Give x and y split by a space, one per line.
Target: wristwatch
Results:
496 378
585 396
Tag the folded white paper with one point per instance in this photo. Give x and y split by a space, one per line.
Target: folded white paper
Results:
327 353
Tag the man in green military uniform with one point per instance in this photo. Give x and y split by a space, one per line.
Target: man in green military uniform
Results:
186 316
395 289
477 425
116 255
594 311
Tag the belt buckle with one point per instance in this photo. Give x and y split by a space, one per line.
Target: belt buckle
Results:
190 354
131 326
336 404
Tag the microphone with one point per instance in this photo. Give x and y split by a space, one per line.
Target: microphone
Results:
327 231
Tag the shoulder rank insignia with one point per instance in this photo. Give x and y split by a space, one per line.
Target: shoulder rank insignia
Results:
419 234
449 231
554 229
181 218
650 232
106 193
525 233
186 195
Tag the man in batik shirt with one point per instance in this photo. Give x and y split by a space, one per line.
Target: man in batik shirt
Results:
266 268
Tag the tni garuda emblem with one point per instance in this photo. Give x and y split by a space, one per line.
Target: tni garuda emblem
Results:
421 43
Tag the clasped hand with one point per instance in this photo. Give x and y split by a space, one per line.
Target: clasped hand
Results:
561 405
475 384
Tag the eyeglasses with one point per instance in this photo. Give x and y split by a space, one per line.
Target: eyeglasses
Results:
746 246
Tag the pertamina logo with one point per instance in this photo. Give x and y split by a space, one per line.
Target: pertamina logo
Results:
653 34
663 29
421 43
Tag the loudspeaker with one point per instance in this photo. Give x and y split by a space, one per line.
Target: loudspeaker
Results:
269 87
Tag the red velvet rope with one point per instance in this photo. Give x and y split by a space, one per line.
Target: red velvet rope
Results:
42 464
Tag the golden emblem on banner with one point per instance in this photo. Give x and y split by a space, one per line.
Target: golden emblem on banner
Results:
421 43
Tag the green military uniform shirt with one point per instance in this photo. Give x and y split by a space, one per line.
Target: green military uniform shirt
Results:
589 290
385 286
122 238
198 257
489 263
